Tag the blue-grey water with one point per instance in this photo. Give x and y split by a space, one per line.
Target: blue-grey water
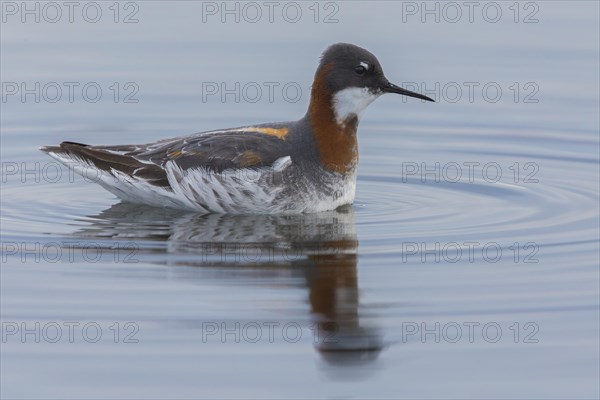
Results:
467 267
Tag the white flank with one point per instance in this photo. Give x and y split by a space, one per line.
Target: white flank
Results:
350 101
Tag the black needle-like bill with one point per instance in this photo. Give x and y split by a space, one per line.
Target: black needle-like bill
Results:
391 88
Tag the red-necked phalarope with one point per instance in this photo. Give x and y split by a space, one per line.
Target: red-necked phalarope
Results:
304 166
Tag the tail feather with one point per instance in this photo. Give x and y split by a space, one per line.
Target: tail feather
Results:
102 159
51 149
107 161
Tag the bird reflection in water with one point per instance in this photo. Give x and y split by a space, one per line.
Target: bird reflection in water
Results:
323 248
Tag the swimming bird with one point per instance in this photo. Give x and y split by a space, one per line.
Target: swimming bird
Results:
308 165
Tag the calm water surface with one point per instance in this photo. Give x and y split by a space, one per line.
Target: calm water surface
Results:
467 268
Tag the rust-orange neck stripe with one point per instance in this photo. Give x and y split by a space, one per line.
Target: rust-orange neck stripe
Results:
337 144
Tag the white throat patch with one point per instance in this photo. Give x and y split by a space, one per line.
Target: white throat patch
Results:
352 101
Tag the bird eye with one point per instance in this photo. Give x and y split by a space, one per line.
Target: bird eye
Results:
360 70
